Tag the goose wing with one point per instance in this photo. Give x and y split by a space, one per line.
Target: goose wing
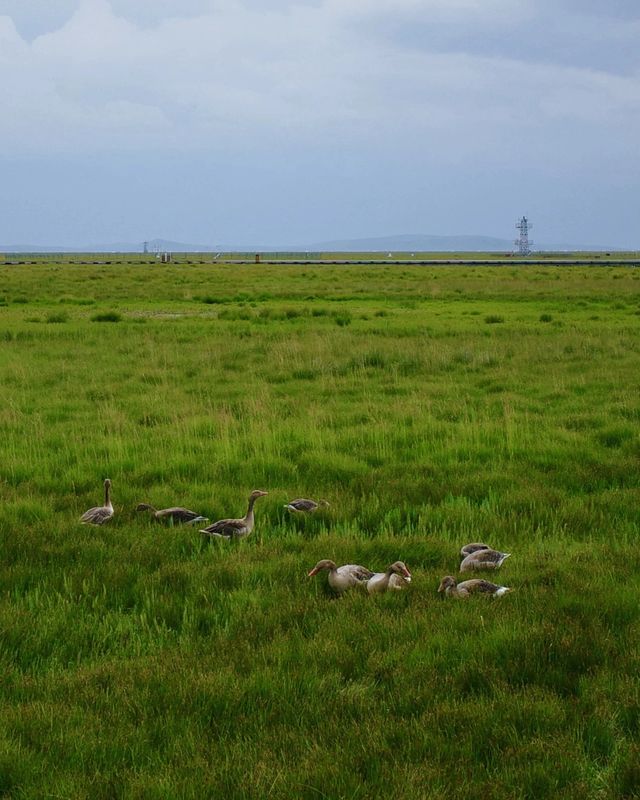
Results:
491 556
349 575
483 559
226 528
358 572
478 585
97 515
302 504
179 514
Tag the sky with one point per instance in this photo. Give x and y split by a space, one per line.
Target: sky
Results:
292 122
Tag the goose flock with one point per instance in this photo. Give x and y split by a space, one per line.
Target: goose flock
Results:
475 556
397 576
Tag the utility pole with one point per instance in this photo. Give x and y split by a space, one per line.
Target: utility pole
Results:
523 243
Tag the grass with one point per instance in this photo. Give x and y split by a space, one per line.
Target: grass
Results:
141 662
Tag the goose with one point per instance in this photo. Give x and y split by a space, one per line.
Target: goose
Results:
100 514
342 578
306 506
473 548
474 586
235 528
174 515
397 576
483 559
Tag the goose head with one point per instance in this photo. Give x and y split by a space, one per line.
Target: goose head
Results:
323 504
324 564
256 493
447 582
400 568
107 483
144 507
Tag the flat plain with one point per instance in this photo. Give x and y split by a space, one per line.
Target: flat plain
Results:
431 406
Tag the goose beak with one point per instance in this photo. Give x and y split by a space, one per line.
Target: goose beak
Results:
314 571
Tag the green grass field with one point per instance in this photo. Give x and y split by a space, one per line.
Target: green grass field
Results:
431 407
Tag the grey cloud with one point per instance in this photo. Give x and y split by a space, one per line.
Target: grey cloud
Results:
33 18
530 34
430 98
621 9
37 16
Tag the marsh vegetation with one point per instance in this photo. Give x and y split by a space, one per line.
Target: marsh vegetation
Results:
431 407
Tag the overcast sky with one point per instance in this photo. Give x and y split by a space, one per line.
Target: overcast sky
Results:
295 121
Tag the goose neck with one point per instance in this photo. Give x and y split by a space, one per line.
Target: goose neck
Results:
252 502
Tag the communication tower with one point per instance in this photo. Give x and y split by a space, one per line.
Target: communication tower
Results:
523 242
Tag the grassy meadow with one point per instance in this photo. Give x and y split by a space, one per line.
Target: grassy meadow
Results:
431 406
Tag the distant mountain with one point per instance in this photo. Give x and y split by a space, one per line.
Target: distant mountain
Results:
407 243
154 245
411 243
165 245
420 243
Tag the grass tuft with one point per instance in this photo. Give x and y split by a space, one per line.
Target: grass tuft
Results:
107 316
56 317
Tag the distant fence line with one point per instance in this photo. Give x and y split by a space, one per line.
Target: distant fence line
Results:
269 255
70 257
307 258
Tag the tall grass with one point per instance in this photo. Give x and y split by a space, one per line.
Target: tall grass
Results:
140 662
